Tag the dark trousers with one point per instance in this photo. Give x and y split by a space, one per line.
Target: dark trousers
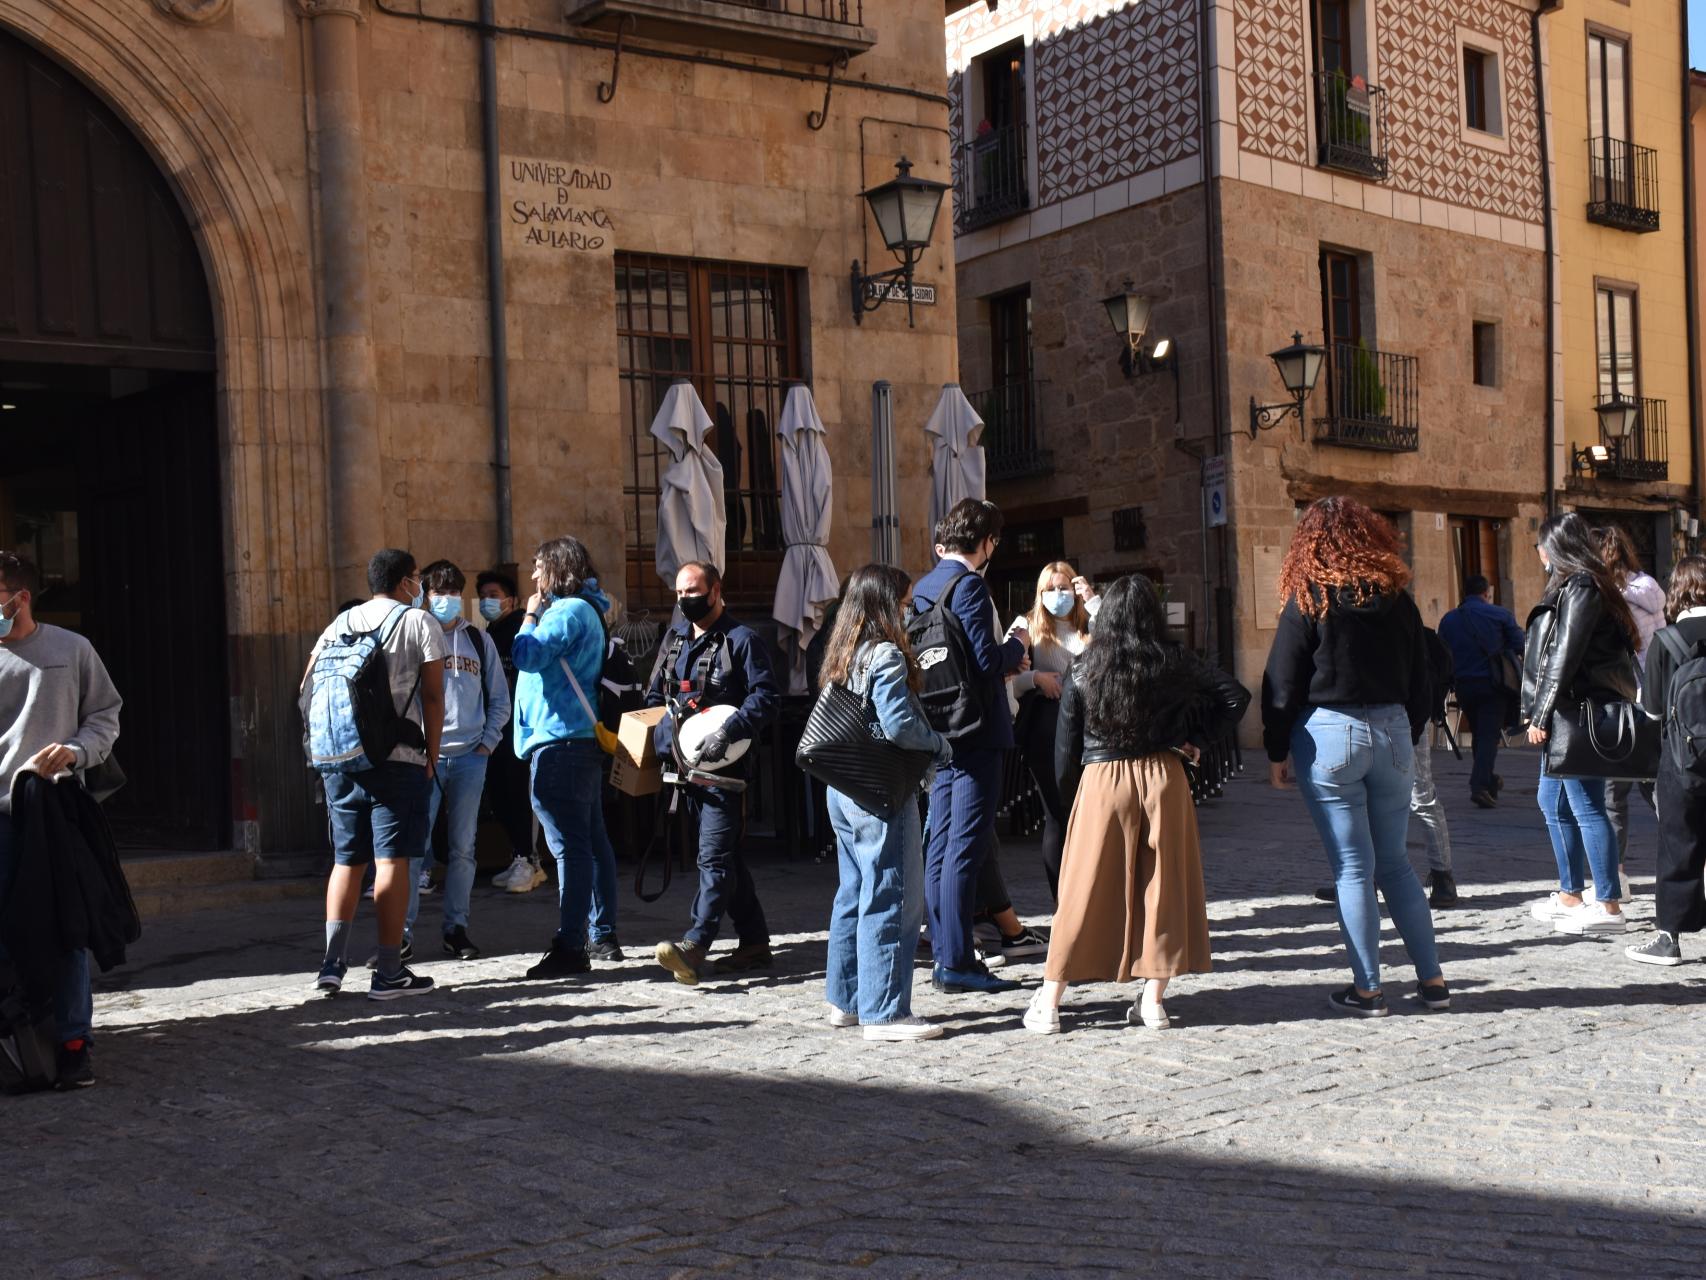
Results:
510 798
1038 750
1485 706
725 884
1682 851
962 824
992 895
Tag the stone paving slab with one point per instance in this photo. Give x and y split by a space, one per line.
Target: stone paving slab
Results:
625 1126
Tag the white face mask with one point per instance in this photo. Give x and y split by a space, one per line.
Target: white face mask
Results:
1059 603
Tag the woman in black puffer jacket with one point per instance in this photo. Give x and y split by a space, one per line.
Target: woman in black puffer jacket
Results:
1581 645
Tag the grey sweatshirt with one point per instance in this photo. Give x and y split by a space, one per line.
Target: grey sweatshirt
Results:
53 689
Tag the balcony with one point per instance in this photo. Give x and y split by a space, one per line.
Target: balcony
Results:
1372 399
1351 125
992 183
792 30
1623 185
1012 431
1643 453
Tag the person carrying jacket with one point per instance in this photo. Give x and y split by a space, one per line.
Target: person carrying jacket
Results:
710 660
59 715
965 794
1646 601
1477 632
1581 645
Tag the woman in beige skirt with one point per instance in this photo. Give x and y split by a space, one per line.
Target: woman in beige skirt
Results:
1131 889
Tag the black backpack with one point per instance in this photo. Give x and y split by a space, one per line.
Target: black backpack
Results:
1442 673
1685 704
945 657
619 688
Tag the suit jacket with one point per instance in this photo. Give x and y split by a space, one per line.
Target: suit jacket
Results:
994 657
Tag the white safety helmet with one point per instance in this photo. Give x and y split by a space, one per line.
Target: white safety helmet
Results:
701 725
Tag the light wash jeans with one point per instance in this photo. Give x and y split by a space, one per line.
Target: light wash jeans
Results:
1354 767
873 927
458 782
1430 810
1574 809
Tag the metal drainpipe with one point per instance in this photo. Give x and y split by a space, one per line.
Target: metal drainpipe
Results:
1690 230
1217 604
1551 6
497 319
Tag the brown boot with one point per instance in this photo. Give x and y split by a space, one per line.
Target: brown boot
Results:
746 958
686 960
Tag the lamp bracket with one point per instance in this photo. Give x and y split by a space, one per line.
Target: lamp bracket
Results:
863 302
607 88
815 120
1265 417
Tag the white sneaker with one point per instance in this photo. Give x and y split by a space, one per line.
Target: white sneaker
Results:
839 1017
1590 917
502 879
528 878
1042 1017
1148 1013
425 882
1549 908
913 1028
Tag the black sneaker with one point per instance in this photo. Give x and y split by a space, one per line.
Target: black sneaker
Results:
76 1070
1328 893
746 958
457 943
403 983
561 962
609 951
1435 997
405 955
1348 1001
1027 942
1444 892
1660 949
331 979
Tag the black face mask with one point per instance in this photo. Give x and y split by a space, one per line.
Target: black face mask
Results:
694 608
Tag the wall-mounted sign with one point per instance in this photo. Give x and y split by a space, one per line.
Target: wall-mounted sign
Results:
560 206
1214 490
923 295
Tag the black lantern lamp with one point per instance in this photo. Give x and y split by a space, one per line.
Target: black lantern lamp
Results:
905 209
1128 312
1617 417
1299 368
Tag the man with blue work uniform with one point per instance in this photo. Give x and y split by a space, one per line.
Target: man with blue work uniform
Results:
710 660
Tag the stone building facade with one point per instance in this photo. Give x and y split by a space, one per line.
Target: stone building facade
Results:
679 196
1372 177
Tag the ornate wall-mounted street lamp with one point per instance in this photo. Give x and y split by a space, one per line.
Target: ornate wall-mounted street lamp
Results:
1299 368
1128 311
1617 417
905 208
1589 459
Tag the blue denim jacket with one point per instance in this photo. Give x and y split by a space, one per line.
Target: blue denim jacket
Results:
881 667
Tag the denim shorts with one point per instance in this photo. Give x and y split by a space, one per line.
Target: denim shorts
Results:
378 814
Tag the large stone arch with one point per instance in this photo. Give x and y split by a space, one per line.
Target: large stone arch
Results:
272 442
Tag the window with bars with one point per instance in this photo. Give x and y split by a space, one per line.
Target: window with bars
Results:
732 329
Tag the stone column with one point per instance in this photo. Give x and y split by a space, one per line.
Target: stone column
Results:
352 434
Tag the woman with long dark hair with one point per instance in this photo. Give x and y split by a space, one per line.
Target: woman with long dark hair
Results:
873 927
1581 645
1132 710
1346 695
1646 601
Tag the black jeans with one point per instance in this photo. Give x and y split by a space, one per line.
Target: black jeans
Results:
1038 749
725 884
509 796
1486 707
1682 851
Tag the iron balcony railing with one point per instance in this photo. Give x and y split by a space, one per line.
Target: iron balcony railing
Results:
991 180
1623 185
1012 431
1351 125
851 12
1372 399
1644 453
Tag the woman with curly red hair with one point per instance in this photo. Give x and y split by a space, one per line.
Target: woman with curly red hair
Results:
1345 696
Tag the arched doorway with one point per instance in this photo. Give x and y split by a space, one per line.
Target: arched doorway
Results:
109 445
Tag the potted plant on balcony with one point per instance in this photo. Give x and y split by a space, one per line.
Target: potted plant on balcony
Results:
1368 392
1348 124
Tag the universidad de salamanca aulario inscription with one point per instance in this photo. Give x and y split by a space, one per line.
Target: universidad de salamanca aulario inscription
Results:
558 206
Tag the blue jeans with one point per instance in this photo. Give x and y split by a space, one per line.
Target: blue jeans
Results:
378 813
725 884
1574 809
873 927
962 828
1354 768
73 1003
568 796
459 783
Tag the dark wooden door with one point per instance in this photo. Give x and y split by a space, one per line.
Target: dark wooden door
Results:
154 607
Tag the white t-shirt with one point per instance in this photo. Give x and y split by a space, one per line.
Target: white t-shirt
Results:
416 638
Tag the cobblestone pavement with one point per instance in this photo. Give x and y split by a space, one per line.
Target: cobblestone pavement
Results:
623 1125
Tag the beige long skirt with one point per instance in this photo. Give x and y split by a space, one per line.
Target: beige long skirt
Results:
1131 891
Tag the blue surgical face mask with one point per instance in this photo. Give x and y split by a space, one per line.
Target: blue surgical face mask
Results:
491 608
1059 603
446 608
416 600
6 621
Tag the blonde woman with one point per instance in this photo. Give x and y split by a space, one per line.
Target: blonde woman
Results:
1059 625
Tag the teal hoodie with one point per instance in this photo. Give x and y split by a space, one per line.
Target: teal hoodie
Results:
546 708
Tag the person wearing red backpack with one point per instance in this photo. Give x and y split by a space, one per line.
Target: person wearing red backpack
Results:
1681 791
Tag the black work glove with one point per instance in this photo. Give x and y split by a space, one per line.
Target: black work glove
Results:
714 748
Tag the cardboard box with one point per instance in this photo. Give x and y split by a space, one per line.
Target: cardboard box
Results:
635 770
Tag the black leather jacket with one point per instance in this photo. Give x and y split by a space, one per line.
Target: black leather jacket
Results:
1574 650
1198 701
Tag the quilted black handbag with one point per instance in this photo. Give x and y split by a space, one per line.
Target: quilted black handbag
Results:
1615 740
843 747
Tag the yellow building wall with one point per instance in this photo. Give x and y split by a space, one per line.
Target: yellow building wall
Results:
1653 261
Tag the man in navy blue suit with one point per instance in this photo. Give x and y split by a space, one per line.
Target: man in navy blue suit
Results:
966 792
